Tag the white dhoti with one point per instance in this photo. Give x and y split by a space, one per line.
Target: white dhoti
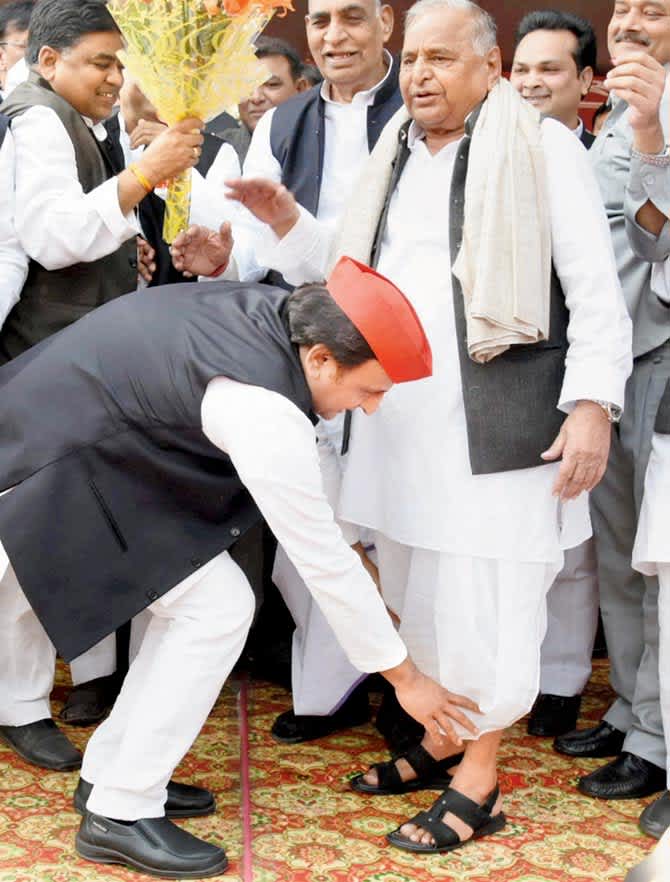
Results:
321 674
473 624
572 621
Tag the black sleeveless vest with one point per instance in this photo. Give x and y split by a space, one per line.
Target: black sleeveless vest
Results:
52 299
118 495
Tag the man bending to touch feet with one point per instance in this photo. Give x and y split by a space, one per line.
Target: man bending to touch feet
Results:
195 409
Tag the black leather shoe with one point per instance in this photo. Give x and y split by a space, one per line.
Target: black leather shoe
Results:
183 800
88 703
554 715
289 728
655 819
42 744
626 777
150 845
602 740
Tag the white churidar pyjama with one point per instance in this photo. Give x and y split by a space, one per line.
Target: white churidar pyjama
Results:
195 636
572 620
27 656
473 624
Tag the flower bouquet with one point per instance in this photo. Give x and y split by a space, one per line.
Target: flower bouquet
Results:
192 58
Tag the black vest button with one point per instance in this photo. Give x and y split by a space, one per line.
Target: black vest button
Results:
133 262
235 531
152 595
196 562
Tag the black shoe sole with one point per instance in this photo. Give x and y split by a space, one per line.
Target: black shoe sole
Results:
637 794
61 767
359 785
495 825
100 855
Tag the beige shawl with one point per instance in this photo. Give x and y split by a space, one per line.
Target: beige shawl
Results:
504 264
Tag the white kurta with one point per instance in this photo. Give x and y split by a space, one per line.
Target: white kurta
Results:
57 223
345 153
408 475
13 260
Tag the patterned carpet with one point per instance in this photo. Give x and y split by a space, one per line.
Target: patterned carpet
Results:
307 826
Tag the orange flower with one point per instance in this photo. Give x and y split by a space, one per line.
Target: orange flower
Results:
237 7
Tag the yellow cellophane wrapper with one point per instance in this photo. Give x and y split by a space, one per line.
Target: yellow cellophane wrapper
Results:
189 62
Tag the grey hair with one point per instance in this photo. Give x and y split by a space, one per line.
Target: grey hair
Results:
484 29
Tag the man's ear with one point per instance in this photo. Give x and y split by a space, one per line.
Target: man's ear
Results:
302 84
586 79
46 62
388 19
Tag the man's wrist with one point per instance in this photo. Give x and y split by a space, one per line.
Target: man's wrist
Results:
401 675
611 412
649 141
284 227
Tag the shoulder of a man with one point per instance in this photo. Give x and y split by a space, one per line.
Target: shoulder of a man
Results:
288 120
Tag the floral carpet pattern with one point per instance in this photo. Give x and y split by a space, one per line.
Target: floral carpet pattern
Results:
306 825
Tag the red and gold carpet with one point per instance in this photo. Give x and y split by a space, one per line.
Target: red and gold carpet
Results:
297 821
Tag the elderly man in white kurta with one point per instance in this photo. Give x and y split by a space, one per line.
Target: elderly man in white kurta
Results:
468 550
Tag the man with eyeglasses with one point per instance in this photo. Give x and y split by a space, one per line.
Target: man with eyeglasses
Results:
14 18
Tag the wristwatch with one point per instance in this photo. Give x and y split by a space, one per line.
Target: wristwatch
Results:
612 411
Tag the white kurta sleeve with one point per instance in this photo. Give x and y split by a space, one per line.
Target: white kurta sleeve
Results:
13 259
57 223
209 206
599 358
273 447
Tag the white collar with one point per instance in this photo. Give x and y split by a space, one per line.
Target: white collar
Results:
367 95
98 129
579 130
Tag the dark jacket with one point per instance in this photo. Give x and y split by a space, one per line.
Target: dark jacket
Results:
118 495
52 299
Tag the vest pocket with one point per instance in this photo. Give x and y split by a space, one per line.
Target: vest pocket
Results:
109 517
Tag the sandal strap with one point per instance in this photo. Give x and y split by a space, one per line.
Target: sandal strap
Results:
388 776
442 834
423 764
465 809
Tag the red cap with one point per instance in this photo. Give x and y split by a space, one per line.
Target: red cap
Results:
385 317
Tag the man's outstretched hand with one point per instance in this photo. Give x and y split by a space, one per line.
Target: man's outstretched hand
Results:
200 251
435 707
267 200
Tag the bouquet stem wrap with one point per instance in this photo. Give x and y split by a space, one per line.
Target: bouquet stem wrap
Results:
192 58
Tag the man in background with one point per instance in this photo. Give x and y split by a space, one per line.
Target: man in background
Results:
284 81
553 69
14 18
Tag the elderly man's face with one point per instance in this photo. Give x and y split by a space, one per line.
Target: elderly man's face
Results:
441 77
640 24
347 39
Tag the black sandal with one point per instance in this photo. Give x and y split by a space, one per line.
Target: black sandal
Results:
431 774
444 837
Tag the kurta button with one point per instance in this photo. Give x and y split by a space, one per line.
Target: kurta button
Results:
649 180
658 360
152 595
133 262
196 562
235 531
